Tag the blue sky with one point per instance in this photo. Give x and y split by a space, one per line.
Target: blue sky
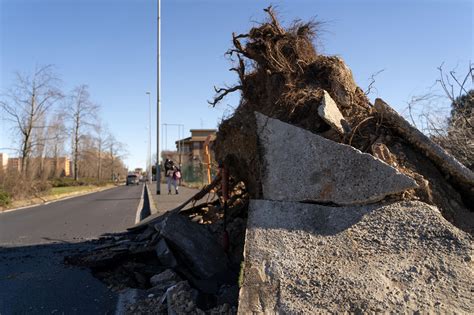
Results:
111 46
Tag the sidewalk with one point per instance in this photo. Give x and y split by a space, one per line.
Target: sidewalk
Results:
165 202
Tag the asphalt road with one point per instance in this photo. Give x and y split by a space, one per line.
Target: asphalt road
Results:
34 241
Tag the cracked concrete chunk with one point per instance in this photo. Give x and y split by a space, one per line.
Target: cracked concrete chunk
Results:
164 280
302 166
165 255
200 250
329 111
314 259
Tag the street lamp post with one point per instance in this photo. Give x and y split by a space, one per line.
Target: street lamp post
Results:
158 101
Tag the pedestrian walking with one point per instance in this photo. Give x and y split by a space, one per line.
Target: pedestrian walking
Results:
176 178
169 171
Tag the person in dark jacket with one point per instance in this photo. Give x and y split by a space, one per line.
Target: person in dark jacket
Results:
169 170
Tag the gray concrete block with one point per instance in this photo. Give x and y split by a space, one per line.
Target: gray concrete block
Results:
201 252
302 166
313 259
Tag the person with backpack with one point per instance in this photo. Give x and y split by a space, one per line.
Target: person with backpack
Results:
169 171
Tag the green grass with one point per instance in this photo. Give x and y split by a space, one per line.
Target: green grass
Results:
5 198
67 190
241 274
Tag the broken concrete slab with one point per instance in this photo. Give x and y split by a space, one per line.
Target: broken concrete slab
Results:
302 166
201 252
165 255
167 276
163 281
330 113
312 259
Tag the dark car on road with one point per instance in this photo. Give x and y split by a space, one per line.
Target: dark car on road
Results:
132 180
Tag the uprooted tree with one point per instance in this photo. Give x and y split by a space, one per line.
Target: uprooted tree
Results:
281 75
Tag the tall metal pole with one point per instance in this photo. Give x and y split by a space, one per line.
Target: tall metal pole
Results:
148 171
158 101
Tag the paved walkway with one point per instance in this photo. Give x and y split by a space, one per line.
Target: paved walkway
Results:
165 202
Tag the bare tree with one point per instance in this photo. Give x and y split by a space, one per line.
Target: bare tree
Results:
101 137
81 112
458 137
450 124
117 152
56 137
27 105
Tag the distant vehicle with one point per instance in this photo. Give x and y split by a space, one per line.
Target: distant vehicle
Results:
132 180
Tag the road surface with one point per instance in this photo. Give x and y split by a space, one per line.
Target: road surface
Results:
34 241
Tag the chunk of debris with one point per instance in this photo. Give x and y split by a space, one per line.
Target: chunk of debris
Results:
325 171
308 258
165 255
201 251
330 113
181 299
167 277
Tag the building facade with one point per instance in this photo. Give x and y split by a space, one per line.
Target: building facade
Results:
14 164
191 150
3 161
56 167
60 166
191 155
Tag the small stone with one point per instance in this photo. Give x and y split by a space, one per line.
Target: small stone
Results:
413 269
151 295
330 113
197 219
467 258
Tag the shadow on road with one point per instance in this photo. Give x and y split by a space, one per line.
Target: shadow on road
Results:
35 280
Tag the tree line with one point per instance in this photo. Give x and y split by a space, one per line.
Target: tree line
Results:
48 124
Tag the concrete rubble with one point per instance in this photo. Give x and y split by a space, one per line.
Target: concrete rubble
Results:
322 170
396 257
175 265
195 244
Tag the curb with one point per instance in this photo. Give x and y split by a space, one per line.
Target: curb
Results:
146 206
153 207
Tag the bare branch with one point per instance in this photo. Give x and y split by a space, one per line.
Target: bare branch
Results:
222 92
372 82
